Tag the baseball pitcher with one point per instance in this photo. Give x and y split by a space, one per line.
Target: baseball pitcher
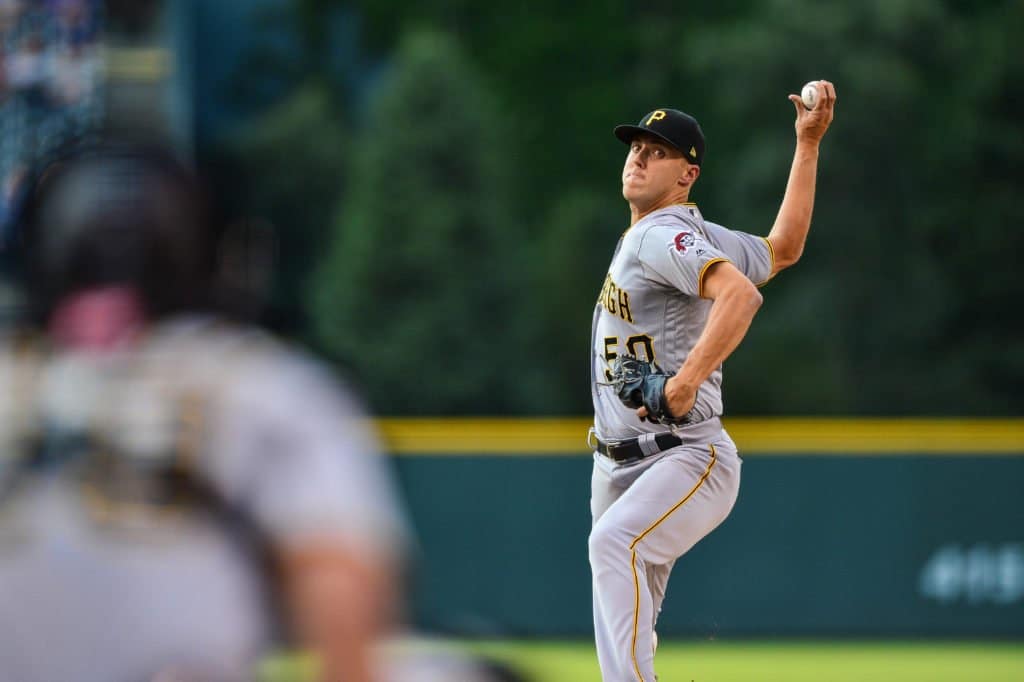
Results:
678 298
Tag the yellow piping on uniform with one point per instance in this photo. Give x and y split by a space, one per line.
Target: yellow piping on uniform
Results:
704 270
636 614
632 547
704 477
771 257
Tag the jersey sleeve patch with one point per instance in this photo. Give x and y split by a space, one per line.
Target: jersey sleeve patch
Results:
683 241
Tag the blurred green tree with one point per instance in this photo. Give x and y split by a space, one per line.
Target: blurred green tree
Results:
418 292
293 158
571 256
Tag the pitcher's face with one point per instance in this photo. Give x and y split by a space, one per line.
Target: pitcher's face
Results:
653 170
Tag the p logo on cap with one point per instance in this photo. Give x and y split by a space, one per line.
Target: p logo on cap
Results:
656 116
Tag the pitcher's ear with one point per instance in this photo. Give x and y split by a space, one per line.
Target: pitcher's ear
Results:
689 175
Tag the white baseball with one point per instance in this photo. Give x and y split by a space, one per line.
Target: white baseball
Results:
809 94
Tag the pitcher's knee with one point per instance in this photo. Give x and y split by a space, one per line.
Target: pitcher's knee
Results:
606 541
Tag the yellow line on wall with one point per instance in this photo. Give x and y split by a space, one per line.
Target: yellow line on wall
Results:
489 436
149 64
775 436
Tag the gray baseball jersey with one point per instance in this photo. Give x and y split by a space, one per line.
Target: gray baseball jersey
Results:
649 513
107 574
650 305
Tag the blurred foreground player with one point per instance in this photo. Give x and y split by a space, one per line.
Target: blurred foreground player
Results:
180 496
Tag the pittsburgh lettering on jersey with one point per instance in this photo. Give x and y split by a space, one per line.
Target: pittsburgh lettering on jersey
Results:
615 299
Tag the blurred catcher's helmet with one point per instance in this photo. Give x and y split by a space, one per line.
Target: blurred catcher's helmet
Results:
113 213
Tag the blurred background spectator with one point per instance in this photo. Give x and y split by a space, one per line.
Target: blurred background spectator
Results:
50 70
50 92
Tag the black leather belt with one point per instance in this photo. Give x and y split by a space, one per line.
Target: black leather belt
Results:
636 448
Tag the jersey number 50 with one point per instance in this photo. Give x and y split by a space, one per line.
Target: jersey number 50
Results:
611 345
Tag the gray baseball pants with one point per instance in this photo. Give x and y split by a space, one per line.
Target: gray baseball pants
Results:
645 516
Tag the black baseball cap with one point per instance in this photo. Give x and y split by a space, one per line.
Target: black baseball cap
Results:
674 127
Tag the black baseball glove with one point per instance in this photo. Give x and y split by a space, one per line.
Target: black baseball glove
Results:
639 383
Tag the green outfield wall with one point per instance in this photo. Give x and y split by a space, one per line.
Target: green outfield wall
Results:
881 527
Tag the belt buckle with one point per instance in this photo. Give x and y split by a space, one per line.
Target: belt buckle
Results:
593 442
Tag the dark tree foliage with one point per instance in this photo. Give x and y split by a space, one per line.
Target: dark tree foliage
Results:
416 291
